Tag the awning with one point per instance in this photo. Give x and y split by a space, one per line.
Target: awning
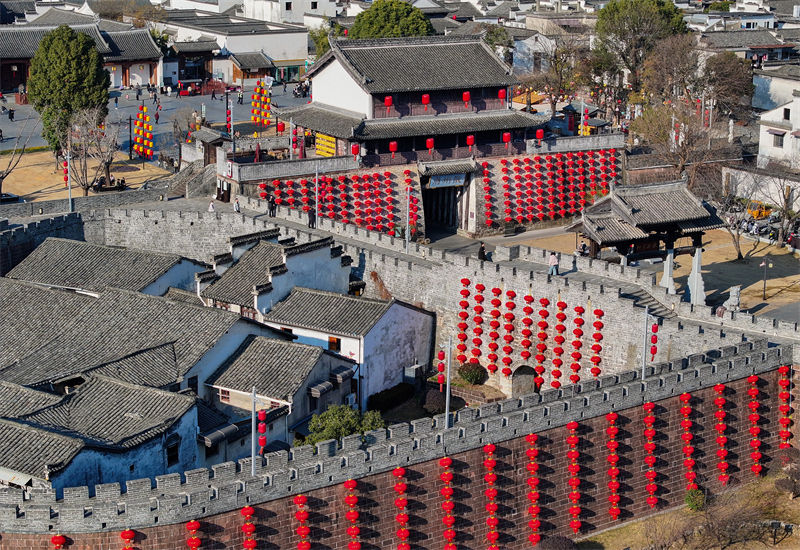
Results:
318 390
597 123
217 435
775 132
17 478
341 374
448 167
796 133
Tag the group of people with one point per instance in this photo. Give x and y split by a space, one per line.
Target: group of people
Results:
300 90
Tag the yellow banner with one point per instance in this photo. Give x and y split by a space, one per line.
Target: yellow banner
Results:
325 145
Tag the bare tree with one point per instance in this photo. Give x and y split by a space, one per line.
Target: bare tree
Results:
670 69
662 532
18 151
92 145
560 54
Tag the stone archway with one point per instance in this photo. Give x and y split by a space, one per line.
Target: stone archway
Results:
522 381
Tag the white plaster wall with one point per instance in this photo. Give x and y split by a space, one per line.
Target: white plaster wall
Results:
334 86
180 275
400 339
279 46
93 466
263 10
789 154
772 91
221 6
116 75
349 348
140 76
171 71
224 66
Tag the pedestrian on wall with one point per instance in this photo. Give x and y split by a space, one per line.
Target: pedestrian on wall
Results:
211 206
553 263
236 207
482 252
271 206
312 219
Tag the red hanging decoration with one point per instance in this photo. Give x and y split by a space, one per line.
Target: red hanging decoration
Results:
785 408
755 431
462 326
127 535
559 339
447 492
577 332
574 481
596 347
687 436
721 427
352 514
301 515
508 338
58 541
477 342
401 503
653 342
494 325
193 542
248 528
650 458
533 483
491 494
526 332
613 459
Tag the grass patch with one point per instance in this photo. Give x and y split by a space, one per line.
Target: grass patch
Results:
36 149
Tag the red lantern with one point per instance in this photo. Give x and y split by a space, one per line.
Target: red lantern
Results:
127 535
281 127
501 95
58 541
388 102
193 526
426 100
466 97
429 145
540 134
393 147
506 138
470 141
355 149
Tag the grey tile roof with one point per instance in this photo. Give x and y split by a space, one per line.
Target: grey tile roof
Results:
225 24
462 10
89 331
478 27
459 123
738 40
328 120
790 72
133 45
421 63
209 417
444 24
180 295
16 400
328 312
10 10
277 369
235 286
667 202
207 135
200 46
607 228
251 60
22 42
55 17
78 264
441 168
107 412
28 449
156 367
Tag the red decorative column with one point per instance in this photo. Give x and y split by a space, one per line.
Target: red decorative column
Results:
785 408
401 503
687 436
248 528
574 482
447 492
613 458
722 452
526 332
301 515
477 342
596 347
650 459
533 482
491 494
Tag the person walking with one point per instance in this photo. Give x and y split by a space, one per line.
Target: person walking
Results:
11 115
236 207
482 252
169 91
211 206
312 219
213 92
155 98
553 263
271 207
240 97
116 102
156 117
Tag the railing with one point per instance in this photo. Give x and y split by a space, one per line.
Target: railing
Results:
410 157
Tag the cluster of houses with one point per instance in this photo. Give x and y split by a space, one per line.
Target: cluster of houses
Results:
121 364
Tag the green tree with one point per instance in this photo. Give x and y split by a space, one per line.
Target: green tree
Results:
161 39
67 75
501 42
629 29
719 6
320 36
340 421
391 19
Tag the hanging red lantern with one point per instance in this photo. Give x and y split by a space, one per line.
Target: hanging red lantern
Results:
506 138
426 100
470 142
393 147
429 145
501 95
58 541
387 101
466 98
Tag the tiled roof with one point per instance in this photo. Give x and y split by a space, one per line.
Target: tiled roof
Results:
251 60
208 417
328 312
235 286
227 25
22 42
10 10
462 10
275 368
156 367
27 449
107 412
651 204
207 135
132 45
16 400
459 123
738 39
420 63
442 168
55 17
334 122
444 24
608 228
50 334
78 264
179 295
201 46
478 27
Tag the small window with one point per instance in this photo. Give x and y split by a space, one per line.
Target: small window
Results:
334 344
133 467
174 388
212 451
242 442
313 403
225 396
270 427
777 141
249 312
192 384
172 454
285 329
787 114
288 6
313 5
222 305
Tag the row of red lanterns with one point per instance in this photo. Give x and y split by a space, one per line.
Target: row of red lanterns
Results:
301 515
574 468
491 494
785 409
755 430
352 515
448 505
425 99
721 427
401 503
533 483
687 437
650 459
613 459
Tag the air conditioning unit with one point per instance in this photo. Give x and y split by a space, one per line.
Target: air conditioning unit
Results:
351 401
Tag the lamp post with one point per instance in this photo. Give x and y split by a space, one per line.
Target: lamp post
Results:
449 347
767 262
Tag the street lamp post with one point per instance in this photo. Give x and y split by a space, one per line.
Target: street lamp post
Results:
767 262
449 347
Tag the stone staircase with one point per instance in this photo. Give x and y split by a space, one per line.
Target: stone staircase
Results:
643 299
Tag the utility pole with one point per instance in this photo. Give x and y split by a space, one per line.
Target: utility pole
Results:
130 137
644 341
408 218
253 435
447 395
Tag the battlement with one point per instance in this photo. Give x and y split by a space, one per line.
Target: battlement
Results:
200 493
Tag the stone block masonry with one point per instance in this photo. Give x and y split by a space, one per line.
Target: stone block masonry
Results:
82 204
19 241
158 514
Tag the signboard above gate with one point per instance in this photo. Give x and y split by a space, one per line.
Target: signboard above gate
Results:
449 180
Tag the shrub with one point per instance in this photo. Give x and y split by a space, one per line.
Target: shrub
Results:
472 373
434 402
695 500
389 398
558 543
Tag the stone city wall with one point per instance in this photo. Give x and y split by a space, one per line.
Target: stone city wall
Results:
93 517
108 199
18 241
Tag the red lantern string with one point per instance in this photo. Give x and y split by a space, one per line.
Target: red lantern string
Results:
248 528
653 342
574 481
440 367
508 338
559 339
533 483
526 332
193 542
541 347
687 436
754 418
127 535
721 427
477 341
650 459
58 541
491 494
577 332
462 326
785 408
301 515
487 188
596 347
494 325
401 502
613 459
447 492
352 514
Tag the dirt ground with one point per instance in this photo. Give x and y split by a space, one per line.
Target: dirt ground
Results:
721 269
37 178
